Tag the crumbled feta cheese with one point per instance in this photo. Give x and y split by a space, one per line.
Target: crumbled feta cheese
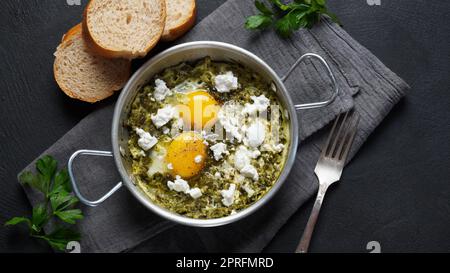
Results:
178 185
198 159
181 185
250 171
217 175
228 195
226 82
209 136
231 118
278 147
170 166
242 160
145 141
165 130
243 156
274 148
233 212
161 90
195 193
259 104
255 134
219 149
250 192
164 115
239 178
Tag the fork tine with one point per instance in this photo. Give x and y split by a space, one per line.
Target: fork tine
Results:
344 136
330 135
337 137
352 133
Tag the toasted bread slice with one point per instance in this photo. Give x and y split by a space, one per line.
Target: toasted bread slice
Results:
83 75
180 18
124 29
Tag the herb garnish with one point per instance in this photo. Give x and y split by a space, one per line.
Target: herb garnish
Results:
58 204
288 17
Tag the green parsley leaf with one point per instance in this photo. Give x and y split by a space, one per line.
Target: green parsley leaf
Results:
258 22
27 178
39 218
289 17
62 182
70 216
263 8
18 220
62 200
58 204
280 5
46 167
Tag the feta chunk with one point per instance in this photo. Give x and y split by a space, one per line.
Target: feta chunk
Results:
165 130
242 162
274 148
145 141
243 156
198 159
250 172
195 193
255 134
179 185
164 115
278 147
212 137
250 192
170 166
226 82
228 195
231 118
260 104
219 149
161 90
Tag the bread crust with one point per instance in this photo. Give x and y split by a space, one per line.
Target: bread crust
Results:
110 53
65 41
181 29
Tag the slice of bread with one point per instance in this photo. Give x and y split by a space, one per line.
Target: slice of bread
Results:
180 18
83 75
124 29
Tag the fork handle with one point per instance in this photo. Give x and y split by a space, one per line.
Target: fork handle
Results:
307 234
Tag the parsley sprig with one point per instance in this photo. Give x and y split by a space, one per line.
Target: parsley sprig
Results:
289 17
58 205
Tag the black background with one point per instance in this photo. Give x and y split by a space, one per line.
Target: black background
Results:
396 191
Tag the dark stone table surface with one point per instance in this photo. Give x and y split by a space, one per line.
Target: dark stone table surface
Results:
397 189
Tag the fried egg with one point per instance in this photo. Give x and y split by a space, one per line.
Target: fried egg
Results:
199 109
186 155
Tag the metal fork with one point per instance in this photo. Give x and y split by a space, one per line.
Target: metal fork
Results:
329 167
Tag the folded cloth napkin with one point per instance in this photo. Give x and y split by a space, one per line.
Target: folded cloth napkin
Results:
121 223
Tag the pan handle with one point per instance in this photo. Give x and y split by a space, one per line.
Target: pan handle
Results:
319 104
74 182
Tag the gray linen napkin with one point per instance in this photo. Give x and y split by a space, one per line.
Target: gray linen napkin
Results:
121 223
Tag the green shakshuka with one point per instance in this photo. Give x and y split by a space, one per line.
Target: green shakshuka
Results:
207 139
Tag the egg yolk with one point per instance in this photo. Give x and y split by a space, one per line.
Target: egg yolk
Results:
187 153
200 110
